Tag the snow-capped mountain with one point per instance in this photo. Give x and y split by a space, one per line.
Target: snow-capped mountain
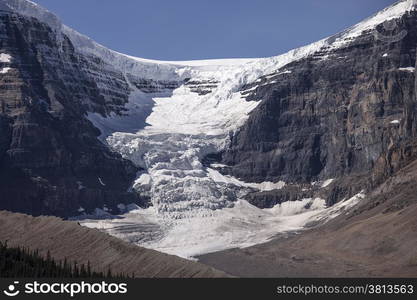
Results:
197 140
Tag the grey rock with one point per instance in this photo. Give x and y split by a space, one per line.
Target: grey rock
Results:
51 161
331 116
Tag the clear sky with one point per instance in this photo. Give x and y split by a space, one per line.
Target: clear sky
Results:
200 29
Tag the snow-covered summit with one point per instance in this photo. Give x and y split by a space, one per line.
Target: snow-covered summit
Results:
31 9
87 45
184 125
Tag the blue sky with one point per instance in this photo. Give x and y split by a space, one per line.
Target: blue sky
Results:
200 29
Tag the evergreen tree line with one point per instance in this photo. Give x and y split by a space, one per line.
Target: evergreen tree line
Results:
20 262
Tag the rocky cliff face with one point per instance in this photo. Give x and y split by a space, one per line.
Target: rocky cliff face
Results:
341 108
339 113
51 161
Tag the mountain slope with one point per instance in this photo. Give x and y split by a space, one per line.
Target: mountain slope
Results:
51 160
322 120
376 239
336 114
87 131
68 240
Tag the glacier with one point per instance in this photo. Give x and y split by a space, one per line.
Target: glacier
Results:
191 110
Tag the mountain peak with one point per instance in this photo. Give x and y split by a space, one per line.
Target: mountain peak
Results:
86 44
31 9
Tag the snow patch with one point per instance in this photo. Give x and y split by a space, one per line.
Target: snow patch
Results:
263 186
285 72
392 12
217 166
5 70
339 208
5 58
249 89
407 69
395 122
327 182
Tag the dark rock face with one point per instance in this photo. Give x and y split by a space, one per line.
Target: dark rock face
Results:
51 161
153 86
345 112
201 87
372 240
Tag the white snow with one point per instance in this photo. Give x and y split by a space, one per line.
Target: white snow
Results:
407 69
4 70
195 209
144 179
182 128
385 55
263 186
395 122
240 226
81 209
392 12
5 58
218 165
250 89
342 207
285 72
150 67
327 182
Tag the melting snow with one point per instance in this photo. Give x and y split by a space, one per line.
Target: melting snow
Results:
395 122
